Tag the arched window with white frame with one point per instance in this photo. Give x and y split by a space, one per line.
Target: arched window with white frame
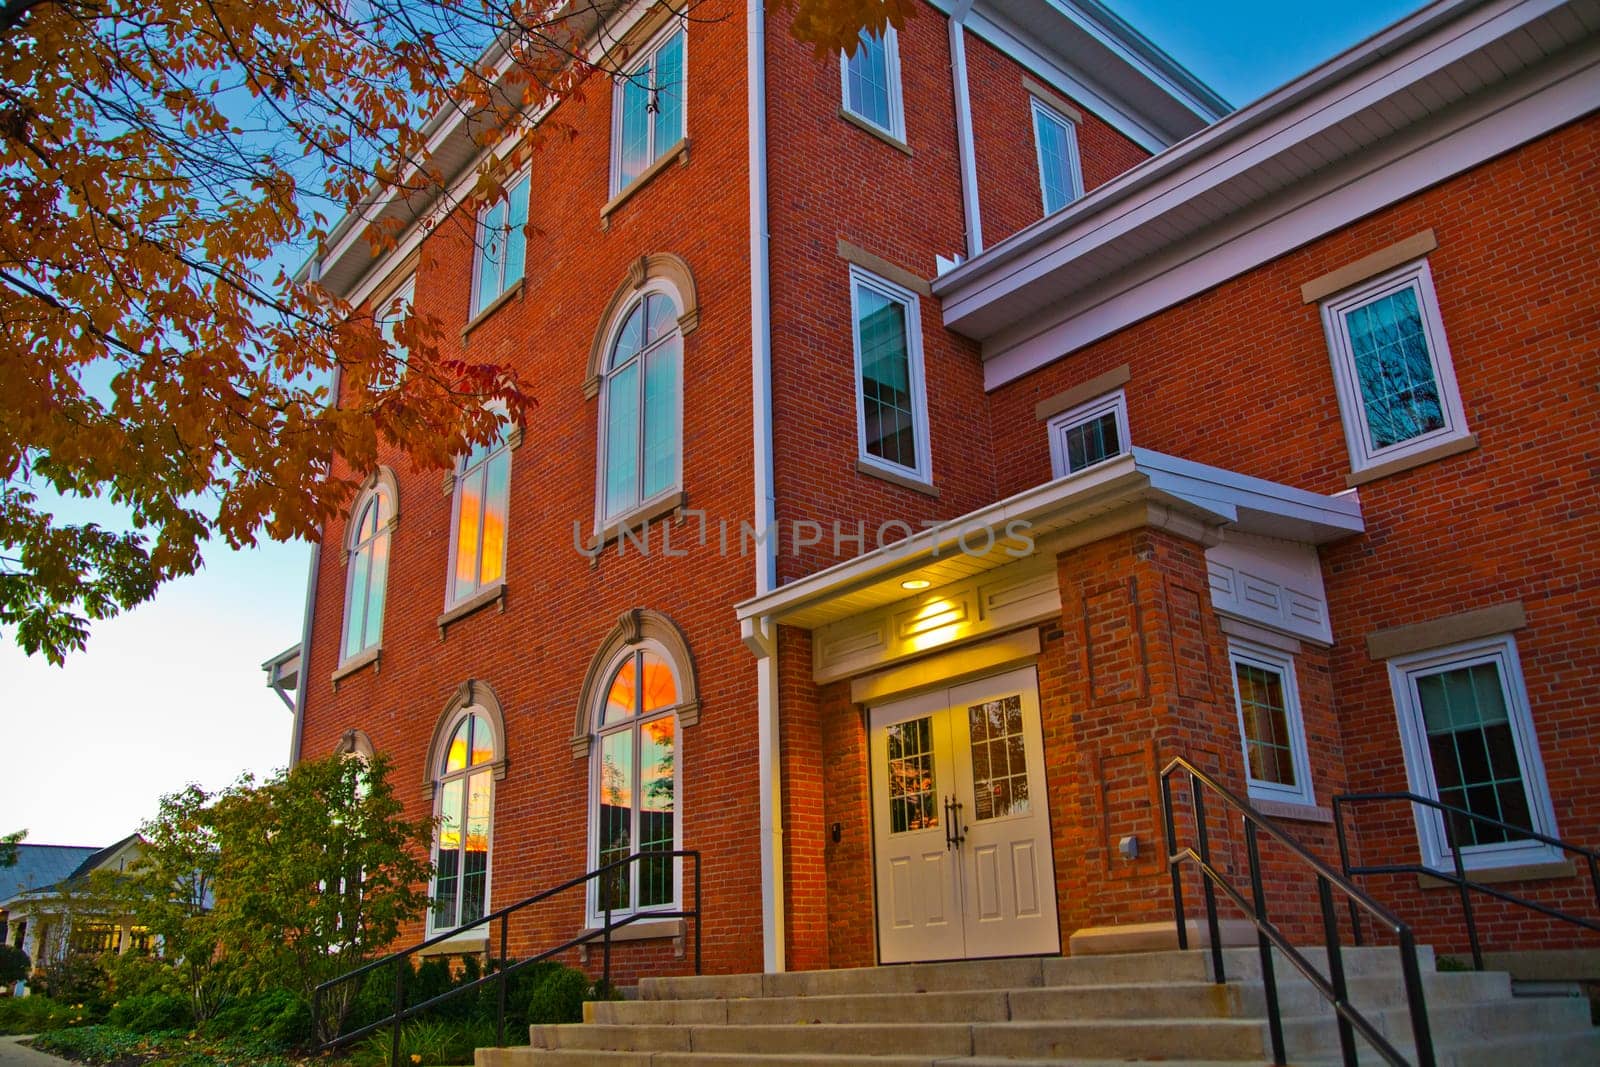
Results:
367 566
640 454
465 760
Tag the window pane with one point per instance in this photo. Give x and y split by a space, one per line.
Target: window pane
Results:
867 81
356 609
622 440
1092 441
491 254
630 340
1265 713
660 691
376 590
475 864
455 758
1054 174
635 149
1473 751
910 776
621 699
1000 776
616 809
660 418
1398 389
885 378
516 240
482 741
497 478
669 94
447 856
468 515
656 810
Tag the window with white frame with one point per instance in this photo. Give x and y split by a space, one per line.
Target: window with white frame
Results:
1267 698
1391 367
891 400
641 404
394 310
480 498
1055 139
367 570
870 82
648 111
1469 742
635 776
464 786
1088 434
501 245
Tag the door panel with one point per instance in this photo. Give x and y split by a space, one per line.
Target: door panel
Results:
981 883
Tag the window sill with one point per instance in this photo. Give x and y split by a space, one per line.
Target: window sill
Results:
877 131
1292 811
495 594
466 944
357 662
513 293
904 481
1541 871
678 152
643 930
1442 450
639 517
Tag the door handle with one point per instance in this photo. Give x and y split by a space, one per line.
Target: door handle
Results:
949 823
957 831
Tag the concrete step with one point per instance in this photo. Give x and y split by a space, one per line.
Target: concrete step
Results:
530 1057
1530 1050
1457 1028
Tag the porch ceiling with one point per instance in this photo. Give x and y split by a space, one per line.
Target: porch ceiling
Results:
1039 519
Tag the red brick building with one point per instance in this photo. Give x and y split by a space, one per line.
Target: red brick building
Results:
933 443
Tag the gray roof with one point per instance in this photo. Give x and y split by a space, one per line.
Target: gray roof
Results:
39 866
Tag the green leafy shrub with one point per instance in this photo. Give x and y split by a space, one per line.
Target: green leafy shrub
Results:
150 1013
555 995
428 1042
38 1014
274 1021
134 974
75 980
14 964
91 1044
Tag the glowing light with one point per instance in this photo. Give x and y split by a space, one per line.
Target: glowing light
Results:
915 584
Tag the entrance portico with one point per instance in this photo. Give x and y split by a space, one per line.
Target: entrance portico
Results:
969 765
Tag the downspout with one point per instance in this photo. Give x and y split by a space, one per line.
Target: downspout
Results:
763 640
964 150
302 683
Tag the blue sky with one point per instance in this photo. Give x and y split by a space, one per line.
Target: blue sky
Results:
173 692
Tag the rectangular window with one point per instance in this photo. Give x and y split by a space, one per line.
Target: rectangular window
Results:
1268 701
1088 434
649 112
501 245
479 549
394 309
870 82
1469 742
1056 139
1392 368
892 412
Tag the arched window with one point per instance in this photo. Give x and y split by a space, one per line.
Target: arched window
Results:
367 566
465 760
642 401
481 496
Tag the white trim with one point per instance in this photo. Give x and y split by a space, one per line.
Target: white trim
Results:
922 471
594 916
646 56
1502 652
1419 279
523 177
1115 404
1069 130
377 495
896 103
1281 664
971 209
613 330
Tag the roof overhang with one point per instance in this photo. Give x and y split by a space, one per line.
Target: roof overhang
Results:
1184 220
283 674
1151 488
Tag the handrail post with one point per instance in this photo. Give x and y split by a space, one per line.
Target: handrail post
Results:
1341 993
1269 981
1594 877
1344 868
316 1015
1217 971
500 1008
1466 903
1421 1030
399 1013
1172 862
697 923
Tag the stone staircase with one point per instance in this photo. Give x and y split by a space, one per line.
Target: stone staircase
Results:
1149 1007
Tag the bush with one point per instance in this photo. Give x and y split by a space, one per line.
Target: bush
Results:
14 964
134 974
428 1042
75 980
556 995
91 1044
38 1014
150 1013
275 1020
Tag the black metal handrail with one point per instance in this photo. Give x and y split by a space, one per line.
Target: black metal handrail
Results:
1464 885
503 968
1333 988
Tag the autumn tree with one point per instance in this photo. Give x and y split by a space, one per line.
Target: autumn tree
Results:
158 160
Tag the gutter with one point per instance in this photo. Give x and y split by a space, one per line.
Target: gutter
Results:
964 147
764 641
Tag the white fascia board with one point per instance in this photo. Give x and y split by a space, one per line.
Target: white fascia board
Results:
1335 198
1254 505
1149 58
1214 149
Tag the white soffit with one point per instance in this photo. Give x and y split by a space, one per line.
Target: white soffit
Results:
1439 92
1203 495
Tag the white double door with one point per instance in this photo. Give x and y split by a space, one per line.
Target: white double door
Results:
961 827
